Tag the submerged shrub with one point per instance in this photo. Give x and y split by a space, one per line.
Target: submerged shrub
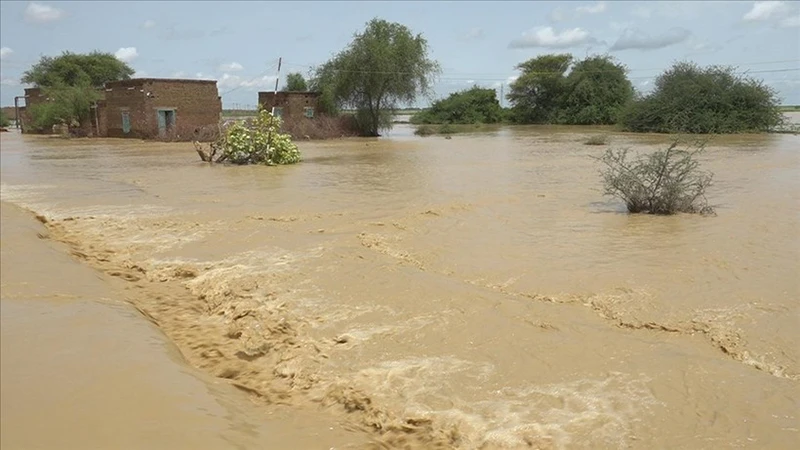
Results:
257 141
664 182
597 139
691 99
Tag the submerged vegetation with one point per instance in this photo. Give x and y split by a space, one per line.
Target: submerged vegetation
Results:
663 182
474 105
255 141
691 99
384 66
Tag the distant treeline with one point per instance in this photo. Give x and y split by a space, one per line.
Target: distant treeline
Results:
557 89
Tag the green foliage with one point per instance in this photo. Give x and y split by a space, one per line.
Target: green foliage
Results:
474 105
384 66
4 122
69 105
536 94
296 83
258 142
690 99
595 92
664 182
73 69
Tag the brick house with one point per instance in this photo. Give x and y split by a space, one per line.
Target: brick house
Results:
162 108
291 104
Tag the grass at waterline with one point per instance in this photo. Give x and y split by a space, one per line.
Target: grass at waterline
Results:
448 129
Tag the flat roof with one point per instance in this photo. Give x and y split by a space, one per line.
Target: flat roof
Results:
138 81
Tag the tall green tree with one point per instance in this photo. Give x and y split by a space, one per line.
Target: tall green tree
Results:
296 83
384 66
536 93
692 99
70 82
595 92
75 69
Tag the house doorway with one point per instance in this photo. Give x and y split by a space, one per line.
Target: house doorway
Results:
166 122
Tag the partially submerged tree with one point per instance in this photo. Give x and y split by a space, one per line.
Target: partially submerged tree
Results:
474 105
691 99
536 94
595 92
70 82
256 141
663 182
69 105
295 82
384 66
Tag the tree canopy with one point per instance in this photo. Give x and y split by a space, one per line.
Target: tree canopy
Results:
295 82
690 99
74 69
536 93
558 89
474 105
384 66
70 82
595 92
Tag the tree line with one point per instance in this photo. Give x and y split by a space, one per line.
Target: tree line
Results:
386 66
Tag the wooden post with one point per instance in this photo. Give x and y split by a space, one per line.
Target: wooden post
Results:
274 101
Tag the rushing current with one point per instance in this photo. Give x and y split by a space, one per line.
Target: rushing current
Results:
477 292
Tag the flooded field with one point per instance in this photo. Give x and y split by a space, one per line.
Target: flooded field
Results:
472 293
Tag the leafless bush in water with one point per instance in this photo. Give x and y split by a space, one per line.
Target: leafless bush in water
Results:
664 182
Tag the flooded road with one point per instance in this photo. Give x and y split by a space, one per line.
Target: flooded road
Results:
475 293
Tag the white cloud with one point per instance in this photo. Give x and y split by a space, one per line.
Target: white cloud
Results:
637 39
9 82
38 13
5 52
140 74
763 11
229 81
597 8
179 74
546 37
791 22
231 67
148 24
126 54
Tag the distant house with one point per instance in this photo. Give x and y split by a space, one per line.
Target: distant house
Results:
291 104
162 108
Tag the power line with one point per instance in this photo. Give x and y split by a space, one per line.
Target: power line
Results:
262 74
464 77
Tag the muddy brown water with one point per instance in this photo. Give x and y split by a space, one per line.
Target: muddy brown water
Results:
472 293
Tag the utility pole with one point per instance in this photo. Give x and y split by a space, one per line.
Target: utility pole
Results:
275 92
274 102
502 85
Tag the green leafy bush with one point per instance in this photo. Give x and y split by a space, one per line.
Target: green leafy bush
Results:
664 182
4 122
256 141
474 105
691 99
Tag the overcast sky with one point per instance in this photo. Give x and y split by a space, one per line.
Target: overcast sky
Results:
238 43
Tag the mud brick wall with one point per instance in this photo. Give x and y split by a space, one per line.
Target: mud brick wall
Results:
197 106
291 102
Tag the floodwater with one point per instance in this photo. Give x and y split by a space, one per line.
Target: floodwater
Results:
477 292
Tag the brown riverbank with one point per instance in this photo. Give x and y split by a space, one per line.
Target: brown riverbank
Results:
81 369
